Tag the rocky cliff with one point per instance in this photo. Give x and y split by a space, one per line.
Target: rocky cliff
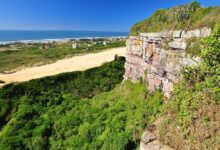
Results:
158 58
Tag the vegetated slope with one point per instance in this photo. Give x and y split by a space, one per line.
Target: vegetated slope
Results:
192 117
79 84
112 120
187 17
56 112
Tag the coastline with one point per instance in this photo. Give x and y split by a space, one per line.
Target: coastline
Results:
57 40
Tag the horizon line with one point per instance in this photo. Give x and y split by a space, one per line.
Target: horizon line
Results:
60 30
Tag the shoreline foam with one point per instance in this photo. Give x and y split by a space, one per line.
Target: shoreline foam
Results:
55 40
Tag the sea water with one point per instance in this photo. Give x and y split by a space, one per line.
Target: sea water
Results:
11 36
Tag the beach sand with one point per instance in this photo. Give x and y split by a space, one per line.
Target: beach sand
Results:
76 63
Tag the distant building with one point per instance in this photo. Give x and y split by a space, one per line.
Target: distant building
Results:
74 45
105 43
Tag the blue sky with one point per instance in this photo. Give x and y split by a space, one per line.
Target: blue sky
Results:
96 15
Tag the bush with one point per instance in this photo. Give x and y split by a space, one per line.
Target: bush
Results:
211 52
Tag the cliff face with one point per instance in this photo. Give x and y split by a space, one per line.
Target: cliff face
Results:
158 58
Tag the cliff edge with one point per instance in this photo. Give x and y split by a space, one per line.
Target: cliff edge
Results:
177 51
159 58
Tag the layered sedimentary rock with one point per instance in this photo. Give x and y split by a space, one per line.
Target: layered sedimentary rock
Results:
159 58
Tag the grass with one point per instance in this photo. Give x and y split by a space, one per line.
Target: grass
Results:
36 55
187 17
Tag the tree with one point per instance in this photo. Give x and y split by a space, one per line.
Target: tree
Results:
194 5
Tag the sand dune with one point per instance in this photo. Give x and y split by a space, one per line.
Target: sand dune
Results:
76 63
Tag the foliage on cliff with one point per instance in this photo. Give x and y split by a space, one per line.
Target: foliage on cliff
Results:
192 118
68 112
187 17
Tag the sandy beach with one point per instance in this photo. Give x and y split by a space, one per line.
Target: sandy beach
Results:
76 63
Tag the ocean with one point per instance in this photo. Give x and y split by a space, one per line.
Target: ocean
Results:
11 36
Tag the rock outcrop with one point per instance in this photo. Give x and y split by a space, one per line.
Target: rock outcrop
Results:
150 140
159 58
154 144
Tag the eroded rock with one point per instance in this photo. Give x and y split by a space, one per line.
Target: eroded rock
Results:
149 142
148 59
178 44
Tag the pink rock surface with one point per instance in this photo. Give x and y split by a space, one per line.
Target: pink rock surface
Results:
161 68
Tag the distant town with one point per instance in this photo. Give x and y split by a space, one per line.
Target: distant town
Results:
79 43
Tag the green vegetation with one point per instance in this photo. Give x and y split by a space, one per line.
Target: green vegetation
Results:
80 84
67 111
181 17
194 46
92 110
2 82
38 54
192 116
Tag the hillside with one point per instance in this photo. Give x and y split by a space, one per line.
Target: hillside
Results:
192 118
27 109
186 17
73 111
98 109
185 65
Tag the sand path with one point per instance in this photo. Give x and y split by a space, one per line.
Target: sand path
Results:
76 63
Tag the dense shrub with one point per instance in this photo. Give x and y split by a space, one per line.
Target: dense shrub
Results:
80 84
59 113
187 17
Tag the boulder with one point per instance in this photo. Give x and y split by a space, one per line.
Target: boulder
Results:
178 44
134 37
167 88
154 145
152 35
191 34
166 34
188 62
177 34
174 78
148 137
157 70
206 32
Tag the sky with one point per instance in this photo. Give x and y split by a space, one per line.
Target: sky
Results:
87 15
